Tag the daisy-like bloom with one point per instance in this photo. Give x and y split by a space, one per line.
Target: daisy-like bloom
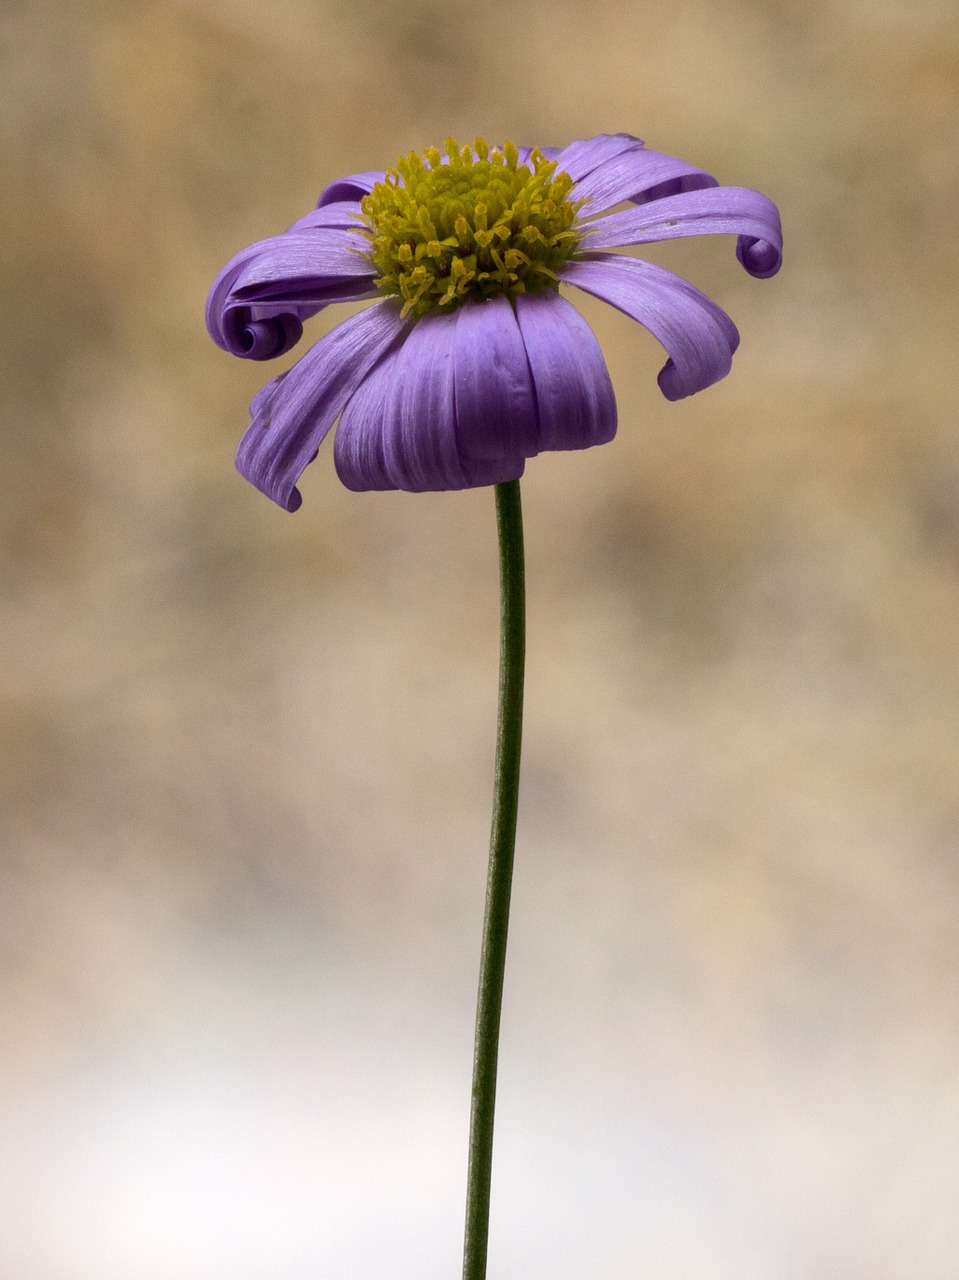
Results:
472 361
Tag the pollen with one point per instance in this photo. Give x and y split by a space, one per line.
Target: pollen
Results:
468 225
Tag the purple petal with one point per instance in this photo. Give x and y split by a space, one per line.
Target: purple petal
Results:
313 266
250 331
737 210
258 301
495 401
397 431
293 413
354 187
400 429
551 153
641 176
345 215
581 158
698 335
576 407
259 333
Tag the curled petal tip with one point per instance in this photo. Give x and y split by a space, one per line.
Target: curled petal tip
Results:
670 383
761 258
294 501
265 339
698 336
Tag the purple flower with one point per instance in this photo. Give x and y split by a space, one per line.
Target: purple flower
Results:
472 361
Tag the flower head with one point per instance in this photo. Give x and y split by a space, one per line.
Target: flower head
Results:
472 361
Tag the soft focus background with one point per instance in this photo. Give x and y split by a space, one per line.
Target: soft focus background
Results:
246 756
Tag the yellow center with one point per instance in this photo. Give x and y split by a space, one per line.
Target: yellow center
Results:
471 226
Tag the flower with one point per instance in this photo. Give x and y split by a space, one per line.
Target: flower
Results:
472 361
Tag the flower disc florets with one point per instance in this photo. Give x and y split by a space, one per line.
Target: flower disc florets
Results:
444 231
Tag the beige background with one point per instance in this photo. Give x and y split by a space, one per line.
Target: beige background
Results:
246 756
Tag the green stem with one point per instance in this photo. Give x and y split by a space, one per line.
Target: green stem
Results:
509 732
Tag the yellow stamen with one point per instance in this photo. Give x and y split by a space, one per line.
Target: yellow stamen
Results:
471 226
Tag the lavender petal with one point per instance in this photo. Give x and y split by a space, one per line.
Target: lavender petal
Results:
258 301
400 430
721 210
291 416
640 176
353 187
698 335
576 407
551 153
345 215
579 159
320 265
495 401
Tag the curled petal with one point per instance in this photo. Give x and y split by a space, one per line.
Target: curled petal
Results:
580 158
576 407
761 258
251 331
641 176
698 335
400 430
312 266
256 333
354 187
258 301
721 210
291 416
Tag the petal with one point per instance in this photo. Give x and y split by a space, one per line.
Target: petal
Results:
581 158
253 332
495 402
551 153
575 403
259 333
638 175
258 301
316 266
344 214
399 430
355 187
293 413
698 335
737 210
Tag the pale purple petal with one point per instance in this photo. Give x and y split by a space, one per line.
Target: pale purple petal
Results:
250 331
313 266
345 214
640 176
581 158
722 210
259 333
360 451
698 335
495 401
575 404
354 187
399 431
258 301
551 153
291 416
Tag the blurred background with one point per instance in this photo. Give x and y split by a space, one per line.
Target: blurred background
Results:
246 757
